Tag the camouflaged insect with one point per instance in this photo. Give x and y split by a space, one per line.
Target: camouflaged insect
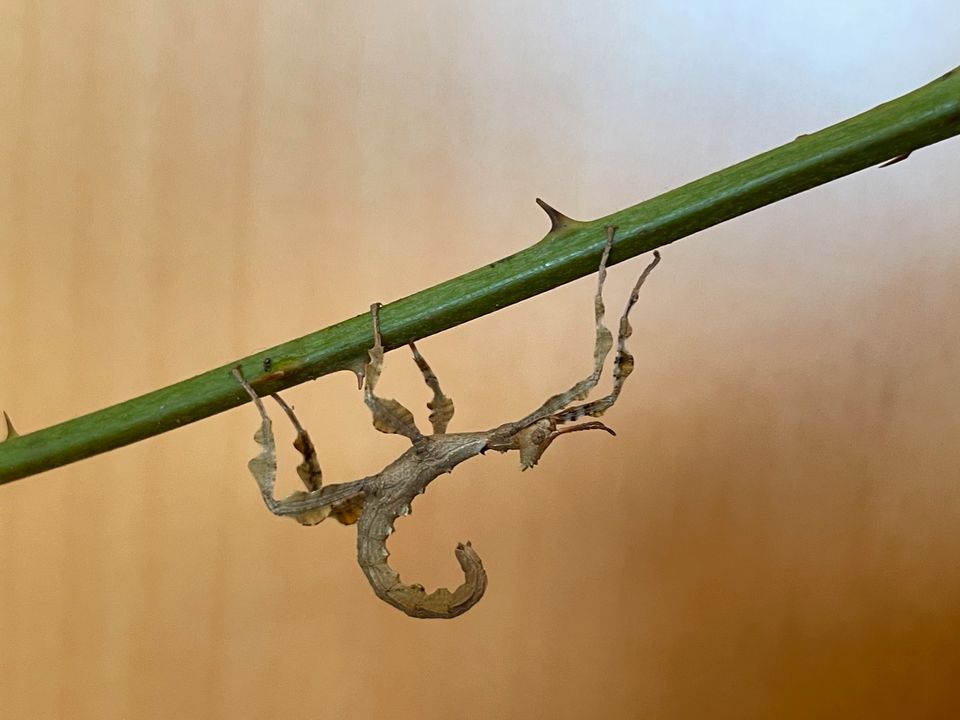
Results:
375 502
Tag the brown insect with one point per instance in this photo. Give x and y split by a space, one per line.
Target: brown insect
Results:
375 502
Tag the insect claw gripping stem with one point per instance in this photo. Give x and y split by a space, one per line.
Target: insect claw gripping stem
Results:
375 502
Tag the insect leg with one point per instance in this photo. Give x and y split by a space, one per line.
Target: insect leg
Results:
389 416
264 466
441 407
343 501
602 346
309 468
623 362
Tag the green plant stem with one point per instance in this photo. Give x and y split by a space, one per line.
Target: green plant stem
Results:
569 251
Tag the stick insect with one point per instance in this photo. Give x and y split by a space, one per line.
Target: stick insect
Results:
376 501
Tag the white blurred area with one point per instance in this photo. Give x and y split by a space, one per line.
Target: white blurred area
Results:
773 532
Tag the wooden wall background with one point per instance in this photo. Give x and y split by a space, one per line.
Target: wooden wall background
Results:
775 531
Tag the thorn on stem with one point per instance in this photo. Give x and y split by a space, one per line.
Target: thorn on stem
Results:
898 158
558 220
11 431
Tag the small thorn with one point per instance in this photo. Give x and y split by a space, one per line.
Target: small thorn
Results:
359 369
558 220
11 432
898 158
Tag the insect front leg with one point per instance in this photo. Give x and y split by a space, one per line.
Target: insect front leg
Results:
623 361
602 344
532 435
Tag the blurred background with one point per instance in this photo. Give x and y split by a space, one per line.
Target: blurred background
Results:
773 533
